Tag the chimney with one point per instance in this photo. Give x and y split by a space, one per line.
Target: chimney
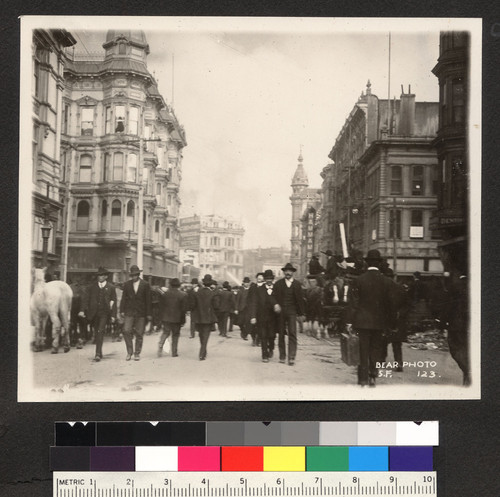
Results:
406 126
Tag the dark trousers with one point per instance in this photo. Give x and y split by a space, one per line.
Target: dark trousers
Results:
222 319
288 323
173 329
133 325
192 325
204 332
99 323
397 350
267 333
371 351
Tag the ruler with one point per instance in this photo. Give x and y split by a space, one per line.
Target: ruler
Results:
243 484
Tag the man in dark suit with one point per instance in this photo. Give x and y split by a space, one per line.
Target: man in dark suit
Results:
251 328
371 311
226 306
203 306
135 308
289 296
195 286
242 306
173 306
332 269
99 307
264 312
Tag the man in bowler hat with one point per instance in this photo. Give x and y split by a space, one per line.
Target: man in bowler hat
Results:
226 307
204 306
264 312
173 306
370 312
99 307
242 306
135 308
195 286
289 296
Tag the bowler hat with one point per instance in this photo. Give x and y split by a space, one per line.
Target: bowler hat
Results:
328 253
288 267
259 274
194 281
226 285
102 271
246 279
207 279
175 283
373 255
268 274
135 269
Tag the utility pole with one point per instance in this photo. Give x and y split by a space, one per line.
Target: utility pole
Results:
394 245
140 226
67 217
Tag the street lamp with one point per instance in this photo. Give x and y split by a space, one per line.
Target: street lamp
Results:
46 228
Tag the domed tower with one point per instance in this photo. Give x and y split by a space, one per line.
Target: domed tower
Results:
130 44
299 185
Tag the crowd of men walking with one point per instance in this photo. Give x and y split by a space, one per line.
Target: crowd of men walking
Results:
361 291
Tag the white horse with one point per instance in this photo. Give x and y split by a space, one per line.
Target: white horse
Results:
52 299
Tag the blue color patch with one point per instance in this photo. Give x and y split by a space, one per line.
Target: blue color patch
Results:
411 458
368 459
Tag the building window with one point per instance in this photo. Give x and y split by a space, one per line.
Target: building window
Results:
107 129
458 182
167 233
119 119
435 179
85 173
417 186
105 168
130 219
34 150
122 49
395 224
169 199
132 168
443 99
118 167
417 224
116 215
158 188
157 231
145 179
396 180
36 78
65 122
458 101
104 214
133 125
82 216
87 114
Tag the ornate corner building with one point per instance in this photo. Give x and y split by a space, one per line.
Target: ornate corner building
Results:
306 203
451 221
120 164
383 182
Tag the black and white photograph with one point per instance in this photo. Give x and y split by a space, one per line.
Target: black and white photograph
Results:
249 209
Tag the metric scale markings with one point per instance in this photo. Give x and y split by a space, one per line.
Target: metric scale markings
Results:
244 484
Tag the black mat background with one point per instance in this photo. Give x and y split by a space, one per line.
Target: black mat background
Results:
468 458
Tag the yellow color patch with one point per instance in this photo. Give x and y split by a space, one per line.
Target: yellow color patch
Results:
284 458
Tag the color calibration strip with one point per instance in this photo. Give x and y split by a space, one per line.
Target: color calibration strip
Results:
255 459
288 433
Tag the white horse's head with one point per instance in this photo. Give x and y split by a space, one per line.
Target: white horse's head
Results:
39 274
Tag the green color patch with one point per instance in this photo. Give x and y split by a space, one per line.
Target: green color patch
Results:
327 458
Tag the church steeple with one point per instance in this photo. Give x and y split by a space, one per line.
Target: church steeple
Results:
300 180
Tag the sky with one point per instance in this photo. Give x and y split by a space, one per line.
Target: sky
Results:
251 100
